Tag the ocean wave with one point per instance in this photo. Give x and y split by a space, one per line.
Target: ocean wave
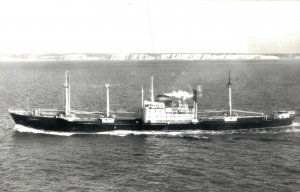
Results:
24 129
293 130
296 124
122 133
188 134
200 134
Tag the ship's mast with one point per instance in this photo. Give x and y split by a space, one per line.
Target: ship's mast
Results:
152 90
229 95
107 99
142 96
27 107
67 93
195 103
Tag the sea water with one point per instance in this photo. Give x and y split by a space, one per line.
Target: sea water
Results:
240 160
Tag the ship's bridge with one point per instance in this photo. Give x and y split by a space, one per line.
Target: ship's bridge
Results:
154 105
158 112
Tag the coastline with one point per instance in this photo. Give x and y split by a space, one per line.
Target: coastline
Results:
145 57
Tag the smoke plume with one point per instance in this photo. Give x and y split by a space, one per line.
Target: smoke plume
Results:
180 94
199 90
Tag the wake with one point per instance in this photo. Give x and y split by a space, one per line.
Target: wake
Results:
294 128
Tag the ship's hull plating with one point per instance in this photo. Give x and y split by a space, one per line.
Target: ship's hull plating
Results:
60 124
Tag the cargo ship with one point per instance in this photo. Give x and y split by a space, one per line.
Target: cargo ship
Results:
161 113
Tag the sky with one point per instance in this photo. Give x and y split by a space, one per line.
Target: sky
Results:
149 26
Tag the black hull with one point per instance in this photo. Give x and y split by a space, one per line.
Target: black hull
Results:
59 124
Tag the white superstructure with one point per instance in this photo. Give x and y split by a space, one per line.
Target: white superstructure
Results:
157 112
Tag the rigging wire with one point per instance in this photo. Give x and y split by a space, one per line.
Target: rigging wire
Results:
150 26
